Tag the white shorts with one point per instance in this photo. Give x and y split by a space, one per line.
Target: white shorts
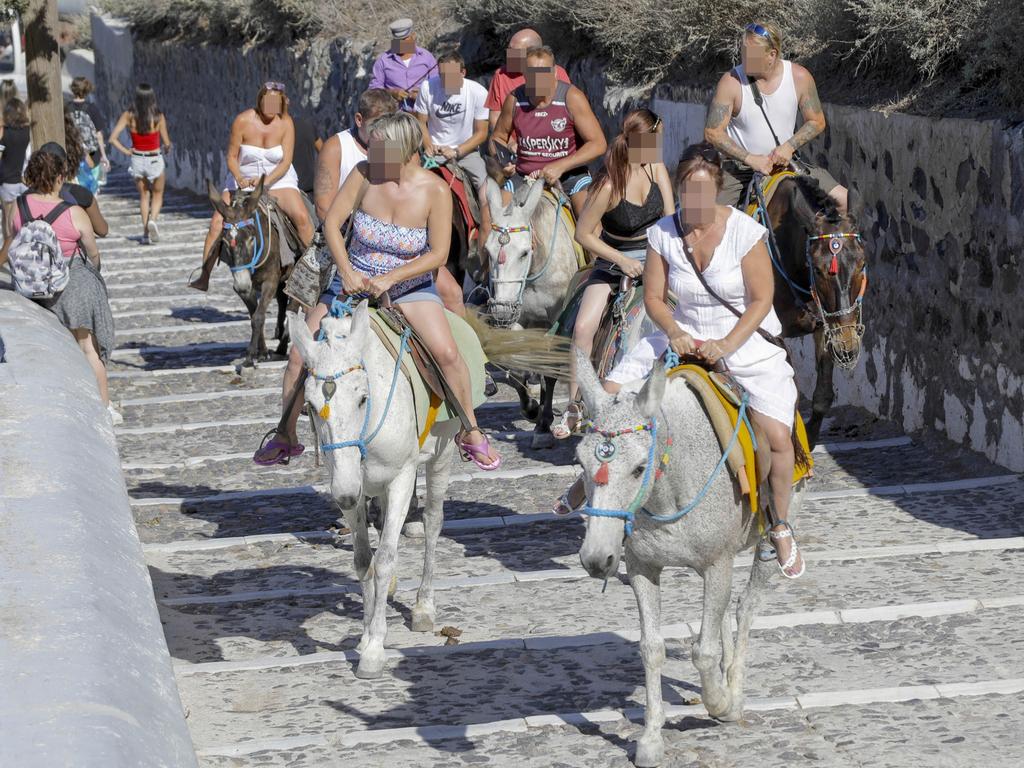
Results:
11 192
149 167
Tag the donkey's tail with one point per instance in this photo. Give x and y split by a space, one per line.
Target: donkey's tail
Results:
530 349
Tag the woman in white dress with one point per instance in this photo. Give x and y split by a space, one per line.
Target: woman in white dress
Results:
729 248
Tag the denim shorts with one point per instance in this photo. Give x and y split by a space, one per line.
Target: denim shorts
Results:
426 291
149 167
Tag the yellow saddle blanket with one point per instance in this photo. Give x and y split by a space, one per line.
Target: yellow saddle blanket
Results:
768 189
431 409
748 466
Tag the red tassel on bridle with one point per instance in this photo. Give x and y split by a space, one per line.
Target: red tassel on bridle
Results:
833 268
601 476
501 256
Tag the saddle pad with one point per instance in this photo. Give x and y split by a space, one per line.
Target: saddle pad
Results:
429 408
748 466
460 184
768 188
288 235
565 211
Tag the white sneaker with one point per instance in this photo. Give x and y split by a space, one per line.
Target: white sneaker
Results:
115 417
154 232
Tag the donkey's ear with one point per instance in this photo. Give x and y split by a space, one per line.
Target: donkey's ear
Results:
360 323
648 401
594 396
533 197
253 200
302 338
494 198
215 199
855 207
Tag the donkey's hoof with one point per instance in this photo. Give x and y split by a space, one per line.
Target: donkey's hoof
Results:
649 752
422 620
542 441
371 665
414 530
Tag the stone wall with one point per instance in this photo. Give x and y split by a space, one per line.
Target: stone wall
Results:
944 224
202 88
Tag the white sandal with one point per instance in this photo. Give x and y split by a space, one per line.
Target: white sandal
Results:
788 533
562 429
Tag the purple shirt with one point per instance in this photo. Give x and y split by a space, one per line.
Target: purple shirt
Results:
389 71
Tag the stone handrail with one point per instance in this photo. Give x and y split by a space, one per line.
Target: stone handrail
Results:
85 675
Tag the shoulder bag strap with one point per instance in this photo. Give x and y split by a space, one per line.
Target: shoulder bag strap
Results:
56 213
770 338
759 100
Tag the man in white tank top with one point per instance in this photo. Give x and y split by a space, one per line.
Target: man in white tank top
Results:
346 149
738 128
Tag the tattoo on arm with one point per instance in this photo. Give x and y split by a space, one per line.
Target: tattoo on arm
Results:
323 185
814 118
719 115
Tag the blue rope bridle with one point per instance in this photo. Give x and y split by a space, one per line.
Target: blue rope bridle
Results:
629 514
258 251
341 309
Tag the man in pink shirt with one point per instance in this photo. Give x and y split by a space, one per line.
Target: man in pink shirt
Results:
510 76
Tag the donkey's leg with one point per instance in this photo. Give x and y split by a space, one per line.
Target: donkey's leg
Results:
760 574
542 437
707 650
281 329
527 405
258 345
371 660
646 583
438 470
362 557
824 392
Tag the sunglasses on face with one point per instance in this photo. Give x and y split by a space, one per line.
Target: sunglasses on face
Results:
272 85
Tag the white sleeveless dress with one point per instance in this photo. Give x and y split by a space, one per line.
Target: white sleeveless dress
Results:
260 161
758 365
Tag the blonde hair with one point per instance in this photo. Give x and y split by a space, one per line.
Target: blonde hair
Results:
774 39
399 128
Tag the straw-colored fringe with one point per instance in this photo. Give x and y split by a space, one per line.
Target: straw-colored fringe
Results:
530 349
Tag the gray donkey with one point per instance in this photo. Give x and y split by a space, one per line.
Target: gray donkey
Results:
629 481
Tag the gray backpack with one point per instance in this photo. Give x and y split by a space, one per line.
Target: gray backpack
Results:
38 266
86 128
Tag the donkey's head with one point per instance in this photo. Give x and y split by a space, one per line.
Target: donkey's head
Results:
619 462
241 236
337 391
837 266
509 247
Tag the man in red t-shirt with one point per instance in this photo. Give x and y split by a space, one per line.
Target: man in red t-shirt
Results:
509 77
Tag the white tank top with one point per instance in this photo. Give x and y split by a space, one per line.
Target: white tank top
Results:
749 129
351 155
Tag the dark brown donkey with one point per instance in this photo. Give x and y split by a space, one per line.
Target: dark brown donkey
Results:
251 249
820 280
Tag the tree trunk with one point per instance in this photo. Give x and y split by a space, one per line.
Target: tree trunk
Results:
42 71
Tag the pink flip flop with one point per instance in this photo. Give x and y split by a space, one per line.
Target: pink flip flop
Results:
477 453
277 452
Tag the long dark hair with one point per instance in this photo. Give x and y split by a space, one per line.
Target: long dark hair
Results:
616 159
145 111
72 144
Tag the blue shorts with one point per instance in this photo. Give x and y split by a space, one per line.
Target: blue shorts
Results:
426 291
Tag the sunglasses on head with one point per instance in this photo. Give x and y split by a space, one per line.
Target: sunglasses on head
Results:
757 29
708 154
657 124
271 85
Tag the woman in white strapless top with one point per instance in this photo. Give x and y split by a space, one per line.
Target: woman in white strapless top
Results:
261 144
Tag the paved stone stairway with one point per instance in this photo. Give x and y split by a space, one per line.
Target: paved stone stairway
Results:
901 646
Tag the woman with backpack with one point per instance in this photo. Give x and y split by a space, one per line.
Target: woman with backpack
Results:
14 144
73 192
54 244
148 129
91 124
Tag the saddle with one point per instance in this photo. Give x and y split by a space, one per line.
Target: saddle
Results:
768 188
569 220
750 458
291 245
435 402
460 183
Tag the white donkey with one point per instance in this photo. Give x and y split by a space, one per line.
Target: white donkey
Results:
654 454
368 432
532 259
